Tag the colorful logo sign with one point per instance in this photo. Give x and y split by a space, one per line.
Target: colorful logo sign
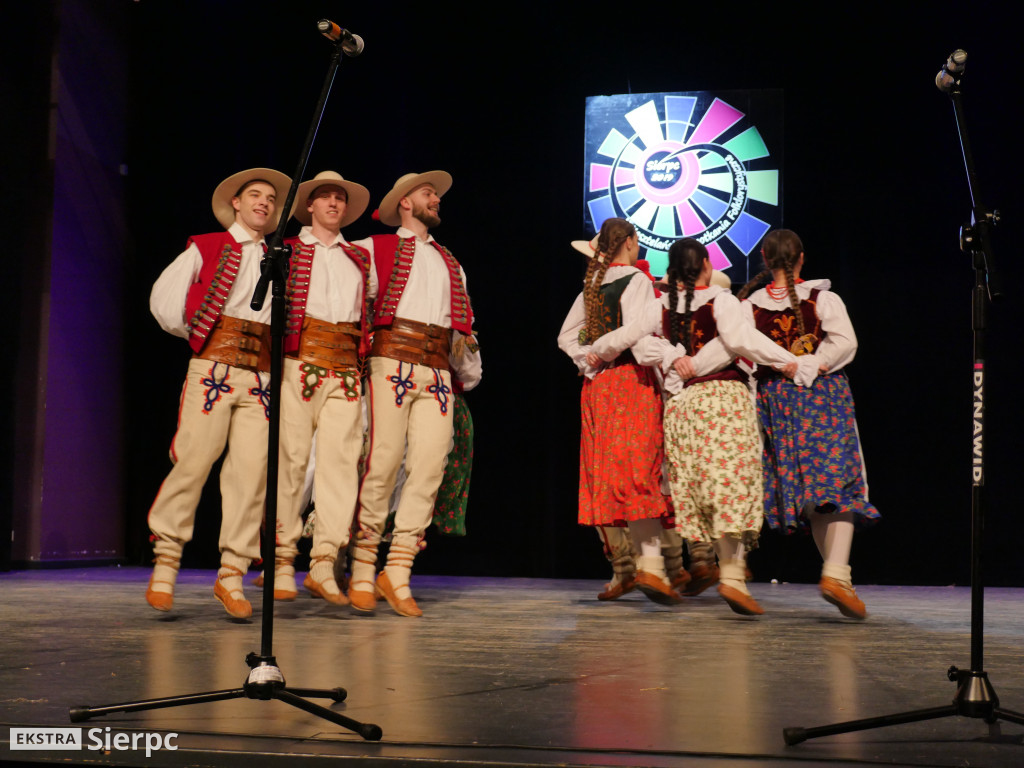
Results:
687 165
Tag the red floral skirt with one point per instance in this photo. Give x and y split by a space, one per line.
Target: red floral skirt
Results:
621 449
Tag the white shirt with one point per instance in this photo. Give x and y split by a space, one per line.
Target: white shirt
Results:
736 338
839 345
167 299
335 281
634 298
427 298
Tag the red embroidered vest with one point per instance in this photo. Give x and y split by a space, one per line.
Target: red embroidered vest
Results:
392 257
222 256
781 327
297 290
703 329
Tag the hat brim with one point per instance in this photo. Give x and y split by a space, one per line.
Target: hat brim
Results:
583 246
358 200
224 211
388 208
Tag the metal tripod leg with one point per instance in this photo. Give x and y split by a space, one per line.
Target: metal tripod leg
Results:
265 682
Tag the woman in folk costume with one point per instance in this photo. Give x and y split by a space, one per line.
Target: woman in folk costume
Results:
711 434
812 462
616 543
621 445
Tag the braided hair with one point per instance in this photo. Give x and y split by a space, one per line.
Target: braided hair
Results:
685 261
614 233
781 249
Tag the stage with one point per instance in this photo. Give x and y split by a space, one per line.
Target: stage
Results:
509 672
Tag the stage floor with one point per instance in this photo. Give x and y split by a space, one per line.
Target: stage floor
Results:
510 672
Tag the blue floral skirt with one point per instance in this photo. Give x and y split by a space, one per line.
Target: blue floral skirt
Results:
811 451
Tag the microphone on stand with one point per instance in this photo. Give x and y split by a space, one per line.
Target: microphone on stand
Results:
951 71
351 44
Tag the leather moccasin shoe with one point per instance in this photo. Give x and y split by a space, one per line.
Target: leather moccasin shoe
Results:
740 602
279 593
404 607
701 577
613 590
162 601
657 589
285 596
365 602
316 588
238 607
843 596
679 580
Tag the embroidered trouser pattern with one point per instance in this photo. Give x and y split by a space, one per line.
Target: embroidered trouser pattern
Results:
221 406
408 402
318 400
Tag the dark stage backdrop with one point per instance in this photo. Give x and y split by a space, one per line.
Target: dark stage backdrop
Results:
874 184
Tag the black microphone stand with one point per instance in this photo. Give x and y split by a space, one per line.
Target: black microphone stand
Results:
265 680
975 696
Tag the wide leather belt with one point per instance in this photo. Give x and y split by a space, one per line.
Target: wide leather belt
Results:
242 343
334 346
413 342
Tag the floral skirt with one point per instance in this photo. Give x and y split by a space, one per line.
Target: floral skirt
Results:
453 495
714 461
811 451
621 447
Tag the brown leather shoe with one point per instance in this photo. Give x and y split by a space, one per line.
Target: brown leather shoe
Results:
701 577
363 601
657 590
843 596
238 607
162 601
404 607
679 580
740 602
615 590
316 588
284 595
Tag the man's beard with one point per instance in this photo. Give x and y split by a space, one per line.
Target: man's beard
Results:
427 216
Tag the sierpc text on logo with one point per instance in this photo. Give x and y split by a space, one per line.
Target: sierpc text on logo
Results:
96 739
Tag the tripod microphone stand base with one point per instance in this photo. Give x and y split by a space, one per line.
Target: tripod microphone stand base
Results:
975 697
264 682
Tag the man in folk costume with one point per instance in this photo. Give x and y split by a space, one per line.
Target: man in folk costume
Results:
330 281
422 315
203 296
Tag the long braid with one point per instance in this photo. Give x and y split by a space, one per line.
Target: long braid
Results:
671 277
781 249
688 281
611 238
686 259
794 300
592 295
753 283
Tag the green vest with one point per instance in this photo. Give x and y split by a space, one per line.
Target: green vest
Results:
610 307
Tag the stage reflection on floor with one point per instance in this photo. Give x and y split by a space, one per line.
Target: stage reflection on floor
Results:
514 672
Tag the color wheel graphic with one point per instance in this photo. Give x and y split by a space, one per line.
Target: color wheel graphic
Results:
686 173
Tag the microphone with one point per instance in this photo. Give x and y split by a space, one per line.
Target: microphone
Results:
951 71
351 44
